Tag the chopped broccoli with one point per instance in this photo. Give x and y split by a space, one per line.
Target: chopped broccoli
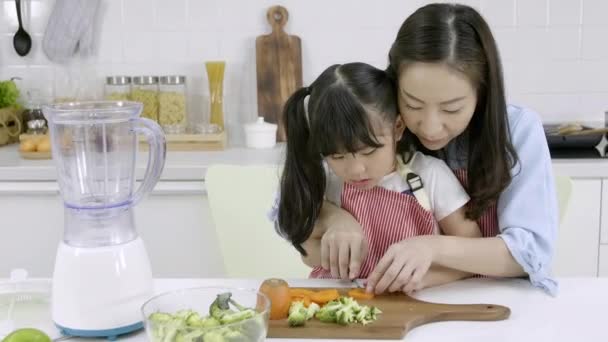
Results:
189 326
346 310
312 310
233 317
327 316
297 314
220 305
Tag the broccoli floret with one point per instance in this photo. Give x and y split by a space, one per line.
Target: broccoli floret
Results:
374 312
220 305
236 316
312 310
297 314
364 315
327 316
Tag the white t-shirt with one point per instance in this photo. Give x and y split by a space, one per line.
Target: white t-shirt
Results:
445 192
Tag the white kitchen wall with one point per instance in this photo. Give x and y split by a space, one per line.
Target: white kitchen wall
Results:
555 52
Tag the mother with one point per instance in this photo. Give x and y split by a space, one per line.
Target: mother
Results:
452 99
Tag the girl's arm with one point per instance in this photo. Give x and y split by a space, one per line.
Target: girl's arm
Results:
457 224
336 243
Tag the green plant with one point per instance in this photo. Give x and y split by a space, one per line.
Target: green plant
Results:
9 93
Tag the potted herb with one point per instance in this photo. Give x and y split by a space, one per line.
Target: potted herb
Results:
10 113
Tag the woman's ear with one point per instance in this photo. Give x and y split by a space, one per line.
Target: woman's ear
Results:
399 128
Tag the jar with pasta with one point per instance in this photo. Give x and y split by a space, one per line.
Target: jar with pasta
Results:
172 104
145 90
117 88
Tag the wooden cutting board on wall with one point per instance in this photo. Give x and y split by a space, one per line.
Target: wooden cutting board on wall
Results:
400 314
278 68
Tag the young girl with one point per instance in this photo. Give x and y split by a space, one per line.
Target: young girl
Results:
451 98
344 149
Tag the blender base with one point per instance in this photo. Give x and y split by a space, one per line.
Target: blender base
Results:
111 334
99 291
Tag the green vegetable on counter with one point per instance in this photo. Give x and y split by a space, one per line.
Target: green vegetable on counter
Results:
190 326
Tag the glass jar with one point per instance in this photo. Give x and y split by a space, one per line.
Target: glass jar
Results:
172 104
145 90
118 88
33 118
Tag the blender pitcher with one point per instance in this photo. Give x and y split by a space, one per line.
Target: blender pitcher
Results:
102 273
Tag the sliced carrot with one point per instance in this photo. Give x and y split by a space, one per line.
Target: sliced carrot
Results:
305 299
300 292
361 294
324 296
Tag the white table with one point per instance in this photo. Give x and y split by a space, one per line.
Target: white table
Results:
578 313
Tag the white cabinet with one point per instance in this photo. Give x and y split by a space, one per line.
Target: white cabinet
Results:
603 267
577 243
174 221
604 232
31 226
176 225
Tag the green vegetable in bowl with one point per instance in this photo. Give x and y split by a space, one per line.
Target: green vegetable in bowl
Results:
190 326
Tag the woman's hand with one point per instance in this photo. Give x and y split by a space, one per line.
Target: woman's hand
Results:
343 245
402 267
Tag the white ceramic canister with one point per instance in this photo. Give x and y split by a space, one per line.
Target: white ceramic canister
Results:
260 134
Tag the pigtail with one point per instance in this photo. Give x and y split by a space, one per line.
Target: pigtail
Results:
303 178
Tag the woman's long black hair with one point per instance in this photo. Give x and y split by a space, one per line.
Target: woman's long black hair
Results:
346 103
459 37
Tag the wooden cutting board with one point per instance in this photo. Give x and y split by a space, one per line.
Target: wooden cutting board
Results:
400 314
278 68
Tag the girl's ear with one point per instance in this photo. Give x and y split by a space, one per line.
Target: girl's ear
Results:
399 127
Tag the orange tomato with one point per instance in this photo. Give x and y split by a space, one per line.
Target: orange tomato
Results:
277 291
361 294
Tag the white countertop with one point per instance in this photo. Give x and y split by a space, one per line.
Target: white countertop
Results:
191 166
578 313
178 166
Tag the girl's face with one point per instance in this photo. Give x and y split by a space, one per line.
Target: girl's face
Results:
366 168
436 102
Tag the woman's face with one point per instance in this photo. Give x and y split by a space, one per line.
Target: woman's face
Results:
436 102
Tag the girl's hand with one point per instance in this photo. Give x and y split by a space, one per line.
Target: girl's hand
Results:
343 250
402 267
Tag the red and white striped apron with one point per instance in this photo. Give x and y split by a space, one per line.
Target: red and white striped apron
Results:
488 222
386 217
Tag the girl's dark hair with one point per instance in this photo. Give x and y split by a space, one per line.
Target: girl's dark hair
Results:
346 106
459 37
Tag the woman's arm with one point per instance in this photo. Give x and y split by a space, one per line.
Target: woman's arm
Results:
438 275
487 256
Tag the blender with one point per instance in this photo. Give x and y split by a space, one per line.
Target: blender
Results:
102 273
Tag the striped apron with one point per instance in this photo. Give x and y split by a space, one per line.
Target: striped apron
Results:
488 222
388 217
